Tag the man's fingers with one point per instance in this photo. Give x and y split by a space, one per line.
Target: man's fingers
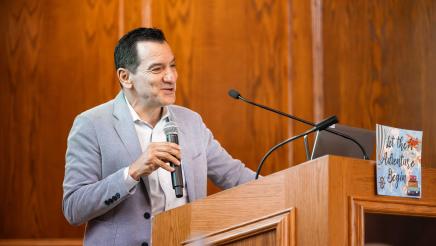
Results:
172 149
159 154
165 144
165 166
164 156
174 145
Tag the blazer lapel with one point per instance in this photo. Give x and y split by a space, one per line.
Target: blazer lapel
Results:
125 127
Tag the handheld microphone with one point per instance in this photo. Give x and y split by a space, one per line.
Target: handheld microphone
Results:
171 132
318 127
236 95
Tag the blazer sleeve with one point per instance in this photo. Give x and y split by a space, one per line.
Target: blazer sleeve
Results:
222 169
86 194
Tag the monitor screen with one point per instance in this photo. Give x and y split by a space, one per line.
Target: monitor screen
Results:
327 143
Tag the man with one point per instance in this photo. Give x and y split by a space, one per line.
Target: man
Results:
117 174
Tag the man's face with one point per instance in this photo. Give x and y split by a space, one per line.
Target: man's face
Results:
154 82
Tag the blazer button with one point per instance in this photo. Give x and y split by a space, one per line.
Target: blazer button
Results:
106 202
118 195
114 198
110 200
147 215
144 244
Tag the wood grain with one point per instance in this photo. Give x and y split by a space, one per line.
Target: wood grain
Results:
378 59
57 61
133 14
301 85
275 229
366 61
232 44
41 242
328 195
406 208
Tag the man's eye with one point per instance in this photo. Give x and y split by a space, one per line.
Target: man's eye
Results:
156 69
173 65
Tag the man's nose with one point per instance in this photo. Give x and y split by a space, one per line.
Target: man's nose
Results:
170 75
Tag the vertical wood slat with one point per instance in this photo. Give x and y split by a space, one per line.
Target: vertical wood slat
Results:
301 72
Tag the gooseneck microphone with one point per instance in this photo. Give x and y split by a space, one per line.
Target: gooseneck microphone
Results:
236 95
318 127
171 133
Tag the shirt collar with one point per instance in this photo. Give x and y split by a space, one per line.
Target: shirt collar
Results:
136 117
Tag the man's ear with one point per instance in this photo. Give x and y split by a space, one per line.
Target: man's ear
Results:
124 78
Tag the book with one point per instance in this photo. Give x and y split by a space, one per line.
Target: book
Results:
398 162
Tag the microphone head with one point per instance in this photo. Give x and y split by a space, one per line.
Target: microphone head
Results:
327 122
170 128
234 93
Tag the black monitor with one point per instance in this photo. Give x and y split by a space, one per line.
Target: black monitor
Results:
327 143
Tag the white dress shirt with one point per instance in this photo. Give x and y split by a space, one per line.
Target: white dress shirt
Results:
161 190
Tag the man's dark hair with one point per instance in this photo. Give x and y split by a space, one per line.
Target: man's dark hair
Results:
126 55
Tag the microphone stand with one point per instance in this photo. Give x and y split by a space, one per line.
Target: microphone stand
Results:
318 127
237 95
306 148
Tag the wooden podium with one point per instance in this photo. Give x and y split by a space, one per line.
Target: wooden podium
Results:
320 202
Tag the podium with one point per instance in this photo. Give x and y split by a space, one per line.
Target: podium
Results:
320 202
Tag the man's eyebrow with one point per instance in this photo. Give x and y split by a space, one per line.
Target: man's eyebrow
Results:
160 63
155 64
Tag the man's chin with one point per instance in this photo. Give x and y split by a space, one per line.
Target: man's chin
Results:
168 102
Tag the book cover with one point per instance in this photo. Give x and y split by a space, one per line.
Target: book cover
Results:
398 162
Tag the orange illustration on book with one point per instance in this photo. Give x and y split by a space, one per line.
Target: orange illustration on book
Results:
413 142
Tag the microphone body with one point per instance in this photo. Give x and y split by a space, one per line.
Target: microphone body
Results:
176 176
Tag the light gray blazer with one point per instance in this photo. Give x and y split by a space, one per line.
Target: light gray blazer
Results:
103 141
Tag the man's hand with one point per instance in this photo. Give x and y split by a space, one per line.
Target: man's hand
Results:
156 155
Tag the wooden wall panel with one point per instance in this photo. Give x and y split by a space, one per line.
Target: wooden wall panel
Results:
379 60
232 44
57 61
133 14
366 61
